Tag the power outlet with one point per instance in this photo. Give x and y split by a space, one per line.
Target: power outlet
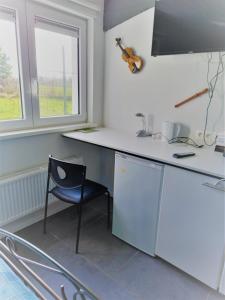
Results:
209 137
199 137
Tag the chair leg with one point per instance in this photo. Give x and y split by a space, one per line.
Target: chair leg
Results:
46 212
78 210
108 209
78 227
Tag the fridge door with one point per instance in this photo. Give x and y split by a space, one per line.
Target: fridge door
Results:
137 186
222 283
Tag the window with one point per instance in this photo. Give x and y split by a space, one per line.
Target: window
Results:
10 95
57 72
42 66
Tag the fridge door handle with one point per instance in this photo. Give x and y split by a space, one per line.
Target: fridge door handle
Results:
142 161
217 186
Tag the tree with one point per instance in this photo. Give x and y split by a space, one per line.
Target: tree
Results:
5 67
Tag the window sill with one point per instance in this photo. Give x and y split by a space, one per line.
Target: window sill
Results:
39 131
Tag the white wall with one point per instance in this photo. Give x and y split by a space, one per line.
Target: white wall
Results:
155 90
24 153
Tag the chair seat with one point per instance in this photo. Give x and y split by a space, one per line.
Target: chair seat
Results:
91 190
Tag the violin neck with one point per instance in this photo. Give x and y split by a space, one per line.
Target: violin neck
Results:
122 49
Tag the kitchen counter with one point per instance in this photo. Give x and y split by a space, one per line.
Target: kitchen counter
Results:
206 160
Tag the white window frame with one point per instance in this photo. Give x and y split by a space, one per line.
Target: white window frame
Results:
26 12
36 10
19 8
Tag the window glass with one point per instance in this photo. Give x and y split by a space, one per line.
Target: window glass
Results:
57 59
10 95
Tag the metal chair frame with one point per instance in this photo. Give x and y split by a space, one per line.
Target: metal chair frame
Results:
68 183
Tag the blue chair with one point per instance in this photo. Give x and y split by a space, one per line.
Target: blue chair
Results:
71 186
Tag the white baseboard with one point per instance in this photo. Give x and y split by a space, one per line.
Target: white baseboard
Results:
34 217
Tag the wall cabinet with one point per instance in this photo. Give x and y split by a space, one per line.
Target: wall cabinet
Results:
191 224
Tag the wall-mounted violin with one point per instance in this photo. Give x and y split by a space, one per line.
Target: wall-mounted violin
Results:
135 63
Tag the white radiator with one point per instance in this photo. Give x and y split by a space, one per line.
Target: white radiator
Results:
24 193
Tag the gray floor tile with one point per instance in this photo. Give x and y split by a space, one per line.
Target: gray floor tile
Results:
104 286
65 224
100 247
100 204
35 235
111 268
151 278
213 295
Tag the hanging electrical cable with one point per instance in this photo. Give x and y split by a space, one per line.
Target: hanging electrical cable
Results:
212 84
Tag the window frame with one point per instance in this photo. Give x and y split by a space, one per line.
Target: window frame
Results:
36 10
23 65
25 30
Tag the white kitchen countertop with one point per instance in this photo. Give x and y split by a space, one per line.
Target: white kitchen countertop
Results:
206 160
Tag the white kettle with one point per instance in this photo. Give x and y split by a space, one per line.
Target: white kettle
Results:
170 130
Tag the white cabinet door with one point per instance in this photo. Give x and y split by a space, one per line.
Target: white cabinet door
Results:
137 187
222 282
191 224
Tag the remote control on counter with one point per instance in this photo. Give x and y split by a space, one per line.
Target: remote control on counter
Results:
183 155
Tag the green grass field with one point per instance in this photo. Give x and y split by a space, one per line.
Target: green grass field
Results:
10 109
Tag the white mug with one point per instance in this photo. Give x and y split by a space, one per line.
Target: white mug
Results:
170 130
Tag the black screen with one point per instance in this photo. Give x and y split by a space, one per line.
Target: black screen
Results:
188 26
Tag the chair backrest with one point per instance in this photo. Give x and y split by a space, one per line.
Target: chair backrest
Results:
65 174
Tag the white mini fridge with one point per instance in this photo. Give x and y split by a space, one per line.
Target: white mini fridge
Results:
137 186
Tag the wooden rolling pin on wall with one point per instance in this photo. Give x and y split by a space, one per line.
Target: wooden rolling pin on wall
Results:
192 97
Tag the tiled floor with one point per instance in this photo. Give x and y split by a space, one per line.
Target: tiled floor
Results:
111 268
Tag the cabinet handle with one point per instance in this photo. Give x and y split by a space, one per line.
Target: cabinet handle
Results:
216 186
221 180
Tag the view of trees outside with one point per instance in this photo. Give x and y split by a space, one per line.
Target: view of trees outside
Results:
10 103
8 84
56 74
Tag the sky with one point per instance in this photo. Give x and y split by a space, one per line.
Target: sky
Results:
49 50
50 47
